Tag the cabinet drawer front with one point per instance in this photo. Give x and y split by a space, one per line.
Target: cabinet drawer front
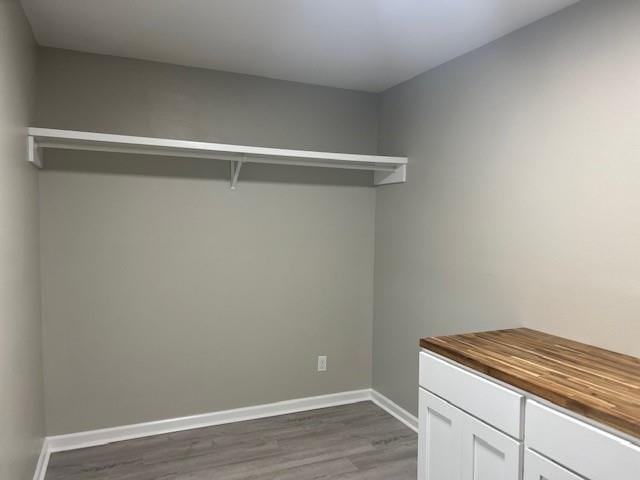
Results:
539 468
490 402
582 448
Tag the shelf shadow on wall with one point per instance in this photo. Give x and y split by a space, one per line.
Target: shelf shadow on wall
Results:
110 163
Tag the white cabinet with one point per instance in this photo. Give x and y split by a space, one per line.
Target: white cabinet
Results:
474 428
539 468
453 445
488 454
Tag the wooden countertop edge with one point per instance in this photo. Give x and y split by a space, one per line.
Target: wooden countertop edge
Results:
575 406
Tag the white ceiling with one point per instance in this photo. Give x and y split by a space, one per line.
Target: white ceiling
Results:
359 44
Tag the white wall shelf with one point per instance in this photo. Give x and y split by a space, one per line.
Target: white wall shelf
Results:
386 170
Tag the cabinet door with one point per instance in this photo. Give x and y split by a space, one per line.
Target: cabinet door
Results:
539 468
488 454
439 449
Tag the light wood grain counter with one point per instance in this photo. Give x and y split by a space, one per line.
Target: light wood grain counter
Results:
595 383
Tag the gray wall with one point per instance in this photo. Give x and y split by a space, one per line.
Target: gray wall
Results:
21 396
167 294
523 200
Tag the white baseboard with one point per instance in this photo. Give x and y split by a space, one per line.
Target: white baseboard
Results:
43 461
103 436
394 409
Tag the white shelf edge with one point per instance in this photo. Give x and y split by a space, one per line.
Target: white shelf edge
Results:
387 169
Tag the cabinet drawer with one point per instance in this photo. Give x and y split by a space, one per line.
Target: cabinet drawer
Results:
488 401
539 468
582 448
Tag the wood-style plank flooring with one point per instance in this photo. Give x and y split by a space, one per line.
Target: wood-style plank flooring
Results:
351 442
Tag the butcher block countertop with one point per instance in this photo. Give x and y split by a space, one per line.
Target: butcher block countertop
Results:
595 383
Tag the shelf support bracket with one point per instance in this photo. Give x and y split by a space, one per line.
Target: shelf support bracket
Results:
399 175
33 152
235 171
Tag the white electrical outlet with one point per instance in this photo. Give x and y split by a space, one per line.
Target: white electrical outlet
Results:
322 363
